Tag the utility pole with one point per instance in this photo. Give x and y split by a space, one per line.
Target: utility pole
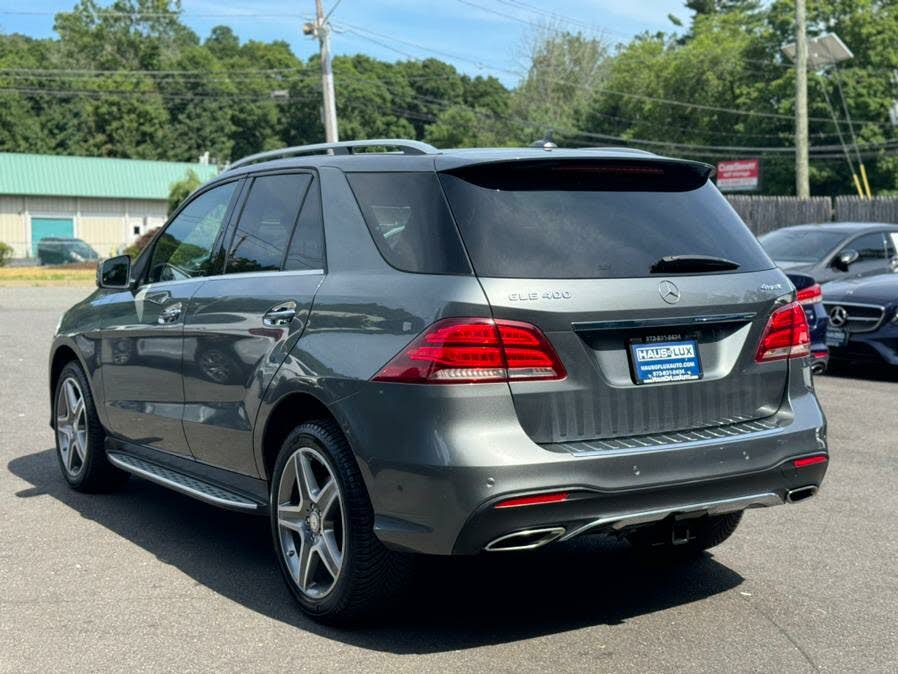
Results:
802 179
321 30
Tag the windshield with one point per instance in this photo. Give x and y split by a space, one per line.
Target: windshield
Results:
597 220
81 248
800 245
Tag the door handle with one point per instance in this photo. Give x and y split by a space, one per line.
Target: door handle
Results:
280 316
170 314
159 297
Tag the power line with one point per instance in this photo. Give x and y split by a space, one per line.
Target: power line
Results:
649 142
600 89
161 15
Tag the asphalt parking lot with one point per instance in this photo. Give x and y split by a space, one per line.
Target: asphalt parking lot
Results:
146 579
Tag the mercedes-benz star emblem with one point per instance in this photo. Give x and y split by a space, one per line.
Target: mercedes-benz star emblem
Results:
838 316
669 292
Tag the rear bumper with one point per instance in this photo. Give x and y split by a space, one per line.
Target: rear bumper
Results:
437 459
593 512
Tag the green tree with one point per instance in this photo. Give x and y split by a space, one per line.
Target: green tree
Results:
182 189
564 70
462 126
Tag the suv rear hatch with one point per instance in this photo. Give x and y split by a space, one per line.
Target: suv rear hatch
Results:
653 292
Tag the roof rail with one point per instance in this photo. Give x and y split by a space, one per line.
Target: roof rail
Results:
343 147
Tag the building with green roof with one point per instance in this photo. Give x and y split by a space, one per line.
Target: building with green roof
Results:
105 202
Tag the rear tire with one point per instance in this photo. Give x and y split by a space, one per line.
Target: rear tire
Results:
666 538
322 527
80 436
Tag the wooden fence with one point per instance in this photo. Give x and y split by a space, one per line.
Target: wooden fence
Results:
764 214
855 209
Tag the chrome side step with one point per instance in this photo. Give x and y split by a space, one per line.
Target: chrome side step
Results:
624 520
185 484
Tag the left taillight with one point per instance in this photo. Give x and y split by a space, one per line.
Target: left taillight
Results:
810 295
786 335
475 350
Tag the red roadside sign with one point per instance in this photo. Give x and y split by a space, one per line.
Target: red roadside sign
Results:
738 175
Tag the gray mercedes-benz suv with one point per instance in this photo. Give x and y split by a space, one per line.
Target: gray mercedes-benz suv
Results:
445 352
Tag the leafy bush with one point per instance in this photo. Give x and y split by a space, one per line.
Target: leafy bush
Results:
142 242
6 252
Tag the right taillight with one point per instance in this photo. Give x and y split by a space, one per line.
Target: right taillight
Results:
474 350
810 295
787 335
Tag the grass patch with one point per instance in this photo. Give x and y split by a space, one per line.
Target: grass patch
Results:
38 276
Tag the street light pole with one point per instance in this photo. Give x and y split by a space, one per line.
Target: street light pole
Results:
321 30
802 178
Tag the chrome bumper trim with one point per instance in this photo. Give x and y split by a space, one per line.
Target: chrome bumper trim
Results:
624 520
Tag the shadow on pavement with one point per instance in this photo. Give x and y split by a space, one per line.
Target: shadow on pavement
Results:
454 603
862 370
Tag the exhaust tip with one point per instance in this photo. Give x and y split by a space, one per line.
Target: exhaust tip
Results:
801 493
529 539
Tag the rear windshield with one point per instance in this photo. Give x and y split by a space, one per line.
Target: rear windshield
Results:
800 245
410 222
577 219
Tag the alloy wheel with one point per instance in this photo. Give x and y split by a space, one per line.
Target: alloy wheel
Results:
71 426
311 522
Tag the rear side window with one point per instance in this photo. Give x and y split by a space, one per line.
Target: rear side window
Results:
307 245
266 223
409 221
583 219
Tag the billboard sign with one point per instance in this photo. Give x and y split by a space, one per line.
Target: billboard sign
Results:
739 175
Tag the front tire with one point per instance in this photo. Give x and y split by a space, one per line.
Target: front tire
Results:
322 527
80 436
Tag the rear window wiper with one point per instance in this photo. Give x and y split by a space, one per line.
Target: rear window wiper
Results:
685 264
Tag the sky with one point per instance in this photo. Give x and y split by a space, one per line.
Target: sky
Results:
479 37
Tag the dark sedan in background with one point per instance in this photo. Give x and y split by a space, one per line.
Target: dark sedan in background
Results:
810 296
863 324
834 250
59 250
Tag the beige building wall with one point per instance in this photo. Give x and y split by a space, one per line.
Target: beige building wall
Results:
13 224
108 225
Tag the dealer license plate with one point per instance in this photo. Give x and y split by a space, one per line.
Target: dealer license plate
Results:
836 337
658 362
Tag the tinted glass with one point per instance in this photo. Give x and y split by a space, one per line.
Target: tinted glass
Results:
892 244
307 245
184 250
409 221
266 223
869 247
588 220
800 245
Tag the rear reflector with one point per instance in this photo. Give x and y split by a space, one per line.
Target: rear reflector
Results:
787 335
475 350
809 461
810 295
537 499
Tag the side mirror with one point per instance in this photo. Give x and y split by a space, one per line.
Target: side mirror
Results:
845 259
115 273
